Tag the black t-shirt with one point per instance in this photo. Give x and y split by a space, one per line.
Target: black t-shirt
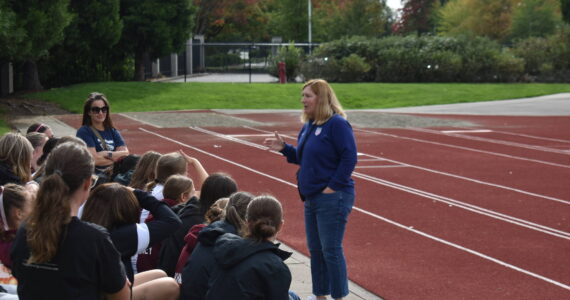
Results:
86 266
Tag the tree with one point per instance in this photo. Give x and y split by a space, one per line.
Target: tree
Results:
535 18
42 23
417 16
369 18
10 33
231 20
489 18
289 19
86 52
154 28
565 8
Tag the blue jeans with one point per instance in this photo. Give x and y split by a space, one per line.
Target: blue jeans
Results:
325 222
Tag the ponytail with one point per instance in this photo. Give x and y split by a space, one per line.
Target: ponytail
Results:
66 168
236 210
51 213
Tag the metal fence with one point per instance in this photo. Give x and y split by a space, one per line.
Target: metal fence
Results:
199 57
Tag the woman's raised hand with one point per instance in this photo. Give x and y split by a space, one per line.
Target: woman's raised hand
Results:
275 143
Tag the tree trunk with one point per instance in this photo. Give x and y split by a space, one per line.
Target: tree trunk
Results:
31 77
141 57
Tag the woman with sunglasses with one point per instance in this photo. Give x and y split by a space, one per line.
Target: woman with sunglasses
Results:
103 140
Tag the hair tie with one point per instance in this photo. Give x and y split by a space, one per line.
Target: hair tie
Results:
58 172
2 212
40 127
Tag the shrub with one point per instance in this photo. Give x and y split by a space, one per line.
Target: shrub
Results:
416 59
291 56
546 59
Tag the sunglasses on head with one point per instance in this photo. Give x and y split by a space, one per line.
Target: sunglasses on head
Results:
97 109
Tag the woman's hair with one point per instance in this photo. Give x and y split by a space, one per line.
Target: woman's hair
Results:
16 152
37 139
264 218
124 165
71 139
168 165
108 123
37 127
12 196
216 186
111 205
48 147
217 210
66 169
145 170
236 209
176 185
327 102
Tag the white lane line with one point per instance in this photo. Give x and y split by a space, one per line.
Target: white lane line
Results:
529 136
465 148
432 237
468 131
431 196
489 140
470 207
462 177
381 167
251 135
140 121
459 247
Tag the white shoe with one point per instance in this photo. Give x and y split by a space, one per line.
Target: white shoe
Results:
313 297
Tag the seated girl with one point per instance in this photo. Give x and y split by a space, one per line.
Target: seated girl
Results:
117 208
252 267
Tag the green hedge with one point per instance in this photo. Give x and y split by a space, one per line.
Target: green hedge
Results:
546 59
415 59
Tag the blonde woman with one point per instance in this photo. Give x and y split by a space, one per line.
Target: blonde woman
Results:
326 155
15 159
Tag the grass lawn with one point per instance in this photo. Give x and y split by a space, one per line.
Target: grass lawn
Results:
155 96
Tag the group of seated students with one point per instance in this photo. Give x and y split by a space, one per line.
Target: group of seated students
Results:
82 218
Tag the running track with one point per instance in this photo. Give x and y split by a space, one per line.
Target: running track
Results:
441 213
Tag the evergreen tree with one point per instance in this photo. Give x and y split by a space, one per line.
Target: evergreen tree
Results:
154 28
86 52
565 8
42 23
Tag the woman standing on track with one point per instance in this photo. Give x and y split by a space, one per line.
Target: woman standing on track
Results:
103 141
326 155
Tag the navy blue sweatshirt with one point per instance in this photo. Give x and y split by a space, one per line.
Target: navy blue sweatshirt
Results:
248 270
328 157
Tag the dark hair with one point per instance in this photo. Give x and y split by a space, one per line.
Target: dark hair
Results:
111 205
66 169
124 165
13 196
48 147
216 186
264 218
95 96
38 127
236 209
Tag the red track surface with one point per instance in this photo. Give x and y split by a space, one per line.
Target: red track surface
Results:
439 214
